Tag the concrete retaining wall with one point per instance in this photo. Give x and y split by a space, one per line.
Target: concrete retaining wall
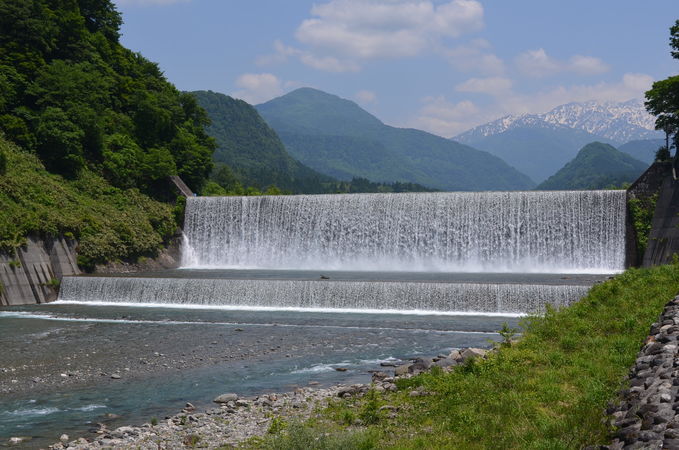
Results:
663 241
26 276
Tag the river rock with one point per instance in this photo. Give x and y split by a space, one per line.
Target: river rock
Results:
64 438
402 370
226 398
471 352
445 362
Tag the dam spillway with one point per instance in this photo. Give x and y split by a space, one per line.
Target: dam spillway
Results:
407 297
559 232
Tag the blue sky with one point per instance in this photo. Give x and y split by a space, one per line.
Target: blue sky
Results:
439 65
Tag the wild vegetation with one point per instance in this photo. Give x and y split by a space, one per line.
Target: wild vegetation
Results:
77 98
109 222
549 390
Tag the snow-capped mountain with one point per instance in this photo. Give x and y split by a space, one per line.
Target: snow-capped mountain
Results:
617 122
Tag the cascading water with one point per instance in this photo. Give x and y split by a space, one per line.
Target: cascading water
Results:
377 296
563 231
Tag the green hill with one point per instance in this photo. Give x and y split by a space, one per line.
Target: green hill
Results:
109 223
89 133
534 147
596 166
336 137
71 93
252 149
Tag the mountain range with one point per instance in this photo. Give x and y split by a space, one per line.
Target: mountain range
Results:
336 137
540 144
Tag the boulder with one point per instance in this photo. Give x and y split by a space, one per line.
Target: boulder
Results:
469 353
402 370
446 362
455 354
226 398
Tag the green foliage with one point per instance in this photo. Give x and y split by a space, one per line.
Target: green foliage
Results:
299 437
674 40
71 92
663 154
109 223
154 421
662 100
642 211
550 390
54 283
336 137
3 162
277 425
507 334
369 414
14 263
596 166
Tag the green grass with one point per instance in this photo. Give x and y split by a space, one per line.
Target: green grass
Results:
109 223
549 391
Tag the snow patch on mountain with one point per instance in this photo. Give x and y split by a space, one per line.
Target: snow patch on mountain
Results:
619 122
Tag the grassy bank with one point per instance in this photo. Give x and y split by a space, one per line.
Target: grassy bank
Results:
109 223
548 391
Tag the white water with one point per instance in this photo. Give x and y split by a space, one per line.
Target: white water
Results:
558 232
336 296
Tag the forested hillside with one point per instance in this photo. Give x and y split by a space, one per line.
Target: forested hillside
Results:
252 149
77 98
95 130
596 166
336 137
250 153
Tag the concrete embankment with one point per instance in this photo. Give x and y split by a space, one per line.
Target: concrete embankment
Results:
31 274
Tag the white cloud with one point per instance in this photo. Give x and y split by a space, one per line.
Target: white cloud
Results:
537 63
491 85
366 97
475 56
343 34
587 65
283 52
445 118
258 87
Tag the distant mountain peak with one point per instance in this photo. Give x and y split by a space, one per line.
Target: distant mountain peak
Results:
619 122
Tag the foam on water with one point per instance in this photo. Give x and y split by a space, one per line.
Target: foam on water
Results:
564 232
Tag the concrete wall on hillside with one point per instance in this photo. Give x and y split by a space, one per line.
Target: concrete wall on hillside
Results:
648 184
25 277
663 241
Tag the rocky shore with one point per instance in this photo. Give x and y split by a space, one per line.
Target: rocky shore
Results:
647 414
236 419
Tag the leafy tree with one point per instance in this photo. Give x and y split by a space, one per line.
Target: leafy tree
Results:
674 40
60 142
62 61
662 100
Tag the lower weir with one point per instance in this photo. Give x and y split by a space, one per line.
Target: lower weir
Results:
350 296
